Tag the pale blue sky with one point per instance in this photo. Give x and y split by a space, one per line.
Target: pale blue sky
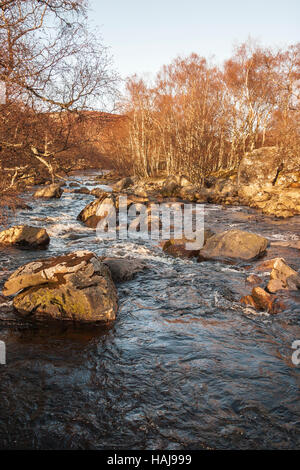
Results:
145 34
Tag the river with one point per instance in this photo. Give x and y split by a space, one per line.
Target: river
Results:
184 366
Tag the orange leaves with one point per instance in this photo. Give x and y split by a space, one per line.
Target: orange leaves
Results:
197 118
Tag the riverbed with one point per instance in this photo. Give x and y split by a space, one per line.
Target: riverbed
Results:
184 366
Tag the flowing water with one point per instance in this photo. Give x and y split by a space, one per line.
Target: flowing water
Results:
184 366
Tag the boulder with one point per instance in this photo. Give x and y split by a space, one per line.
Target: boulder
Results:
73 287
124 183
123 269
263 301
24 236
49 191
234 244
178 247
82 190
260 166
283 277
204 195
170 188
269 180
274 285
97 210
267 265
190 193
98 192
254 280
94 211
184 181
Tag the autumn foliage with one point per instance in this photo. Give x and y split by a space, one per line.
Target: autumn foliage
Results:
197 118
54 70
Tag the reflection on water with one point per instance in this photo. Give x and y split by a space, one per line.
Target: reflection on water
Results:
184 366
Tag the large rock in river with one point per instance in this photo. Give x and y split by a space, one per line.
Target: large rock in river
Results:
234 244
105 205
49 191
97 210
24 236
73 287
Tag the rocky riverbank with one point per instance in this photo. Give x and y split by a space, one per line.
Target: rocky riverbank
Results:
263 181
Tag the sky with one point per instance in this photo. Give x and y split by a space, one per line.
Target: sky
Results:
145 34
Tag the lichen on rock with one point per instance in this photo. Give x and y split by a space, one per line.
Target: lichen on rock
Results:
73 287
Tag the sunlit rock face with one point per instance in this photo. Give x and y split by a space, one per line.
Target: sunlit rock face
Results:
24 236
282 279
122 184
75 287
97 210
51 191
270 181
234 244
267 167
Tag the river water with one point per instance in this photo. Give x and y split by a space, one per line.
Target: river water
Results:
184 366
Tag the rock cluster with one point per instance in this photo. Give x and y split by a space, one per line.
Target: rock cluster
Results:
261 300
282 278
265 180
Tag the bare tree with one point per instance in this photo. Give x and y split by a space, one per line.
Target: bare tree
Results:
198 119
50 63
